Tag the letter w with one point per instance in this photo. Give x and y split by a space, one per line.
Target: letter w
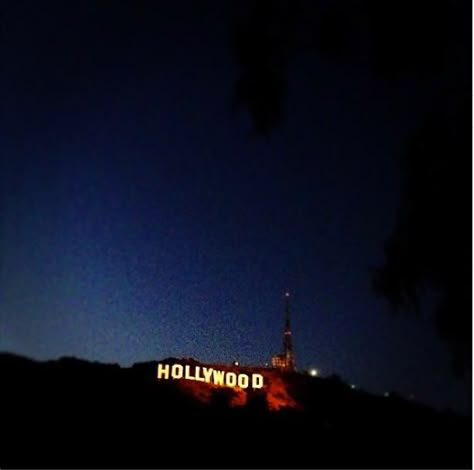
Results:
219 377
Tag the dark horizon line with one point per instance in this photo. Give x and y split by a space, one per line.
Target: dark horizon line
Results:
392 395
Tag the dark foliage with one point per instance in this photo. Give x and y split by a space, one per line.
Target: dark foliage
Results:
431 244
428 44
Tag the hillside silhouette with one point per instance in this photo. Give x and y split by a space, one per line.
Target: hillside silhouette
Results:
72 413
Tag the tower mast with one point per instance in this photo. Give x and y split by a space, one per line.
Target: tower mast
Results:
287 340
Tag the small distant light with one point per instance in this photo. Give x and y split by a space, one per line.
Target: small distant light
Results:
287 294
313 372
236 363
353 386
386 394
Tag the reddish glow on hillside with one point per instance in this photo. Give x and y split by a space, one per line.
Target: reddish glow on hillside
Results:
275 389
203 392
277 392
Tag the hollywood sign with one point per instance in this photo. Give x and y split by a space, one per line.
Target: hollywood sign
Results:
209 375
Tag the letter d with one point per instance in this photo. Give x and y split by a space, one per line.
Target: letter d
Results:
257 381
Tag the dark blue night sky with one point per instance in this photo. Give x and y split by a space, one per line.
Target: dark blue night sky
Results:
142 220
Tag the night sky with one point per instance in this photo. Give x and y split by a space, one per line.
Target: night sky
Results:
142 219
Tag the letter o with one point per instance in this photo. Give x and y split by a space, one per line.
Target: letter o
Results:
177 371
243 380
228 381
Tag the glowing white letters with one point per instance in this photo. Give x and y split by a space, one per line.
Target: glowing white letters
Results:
209 375
177 371
163 370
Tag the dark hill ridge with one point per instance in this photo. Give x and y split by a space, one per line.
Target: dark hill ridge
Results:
74 413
